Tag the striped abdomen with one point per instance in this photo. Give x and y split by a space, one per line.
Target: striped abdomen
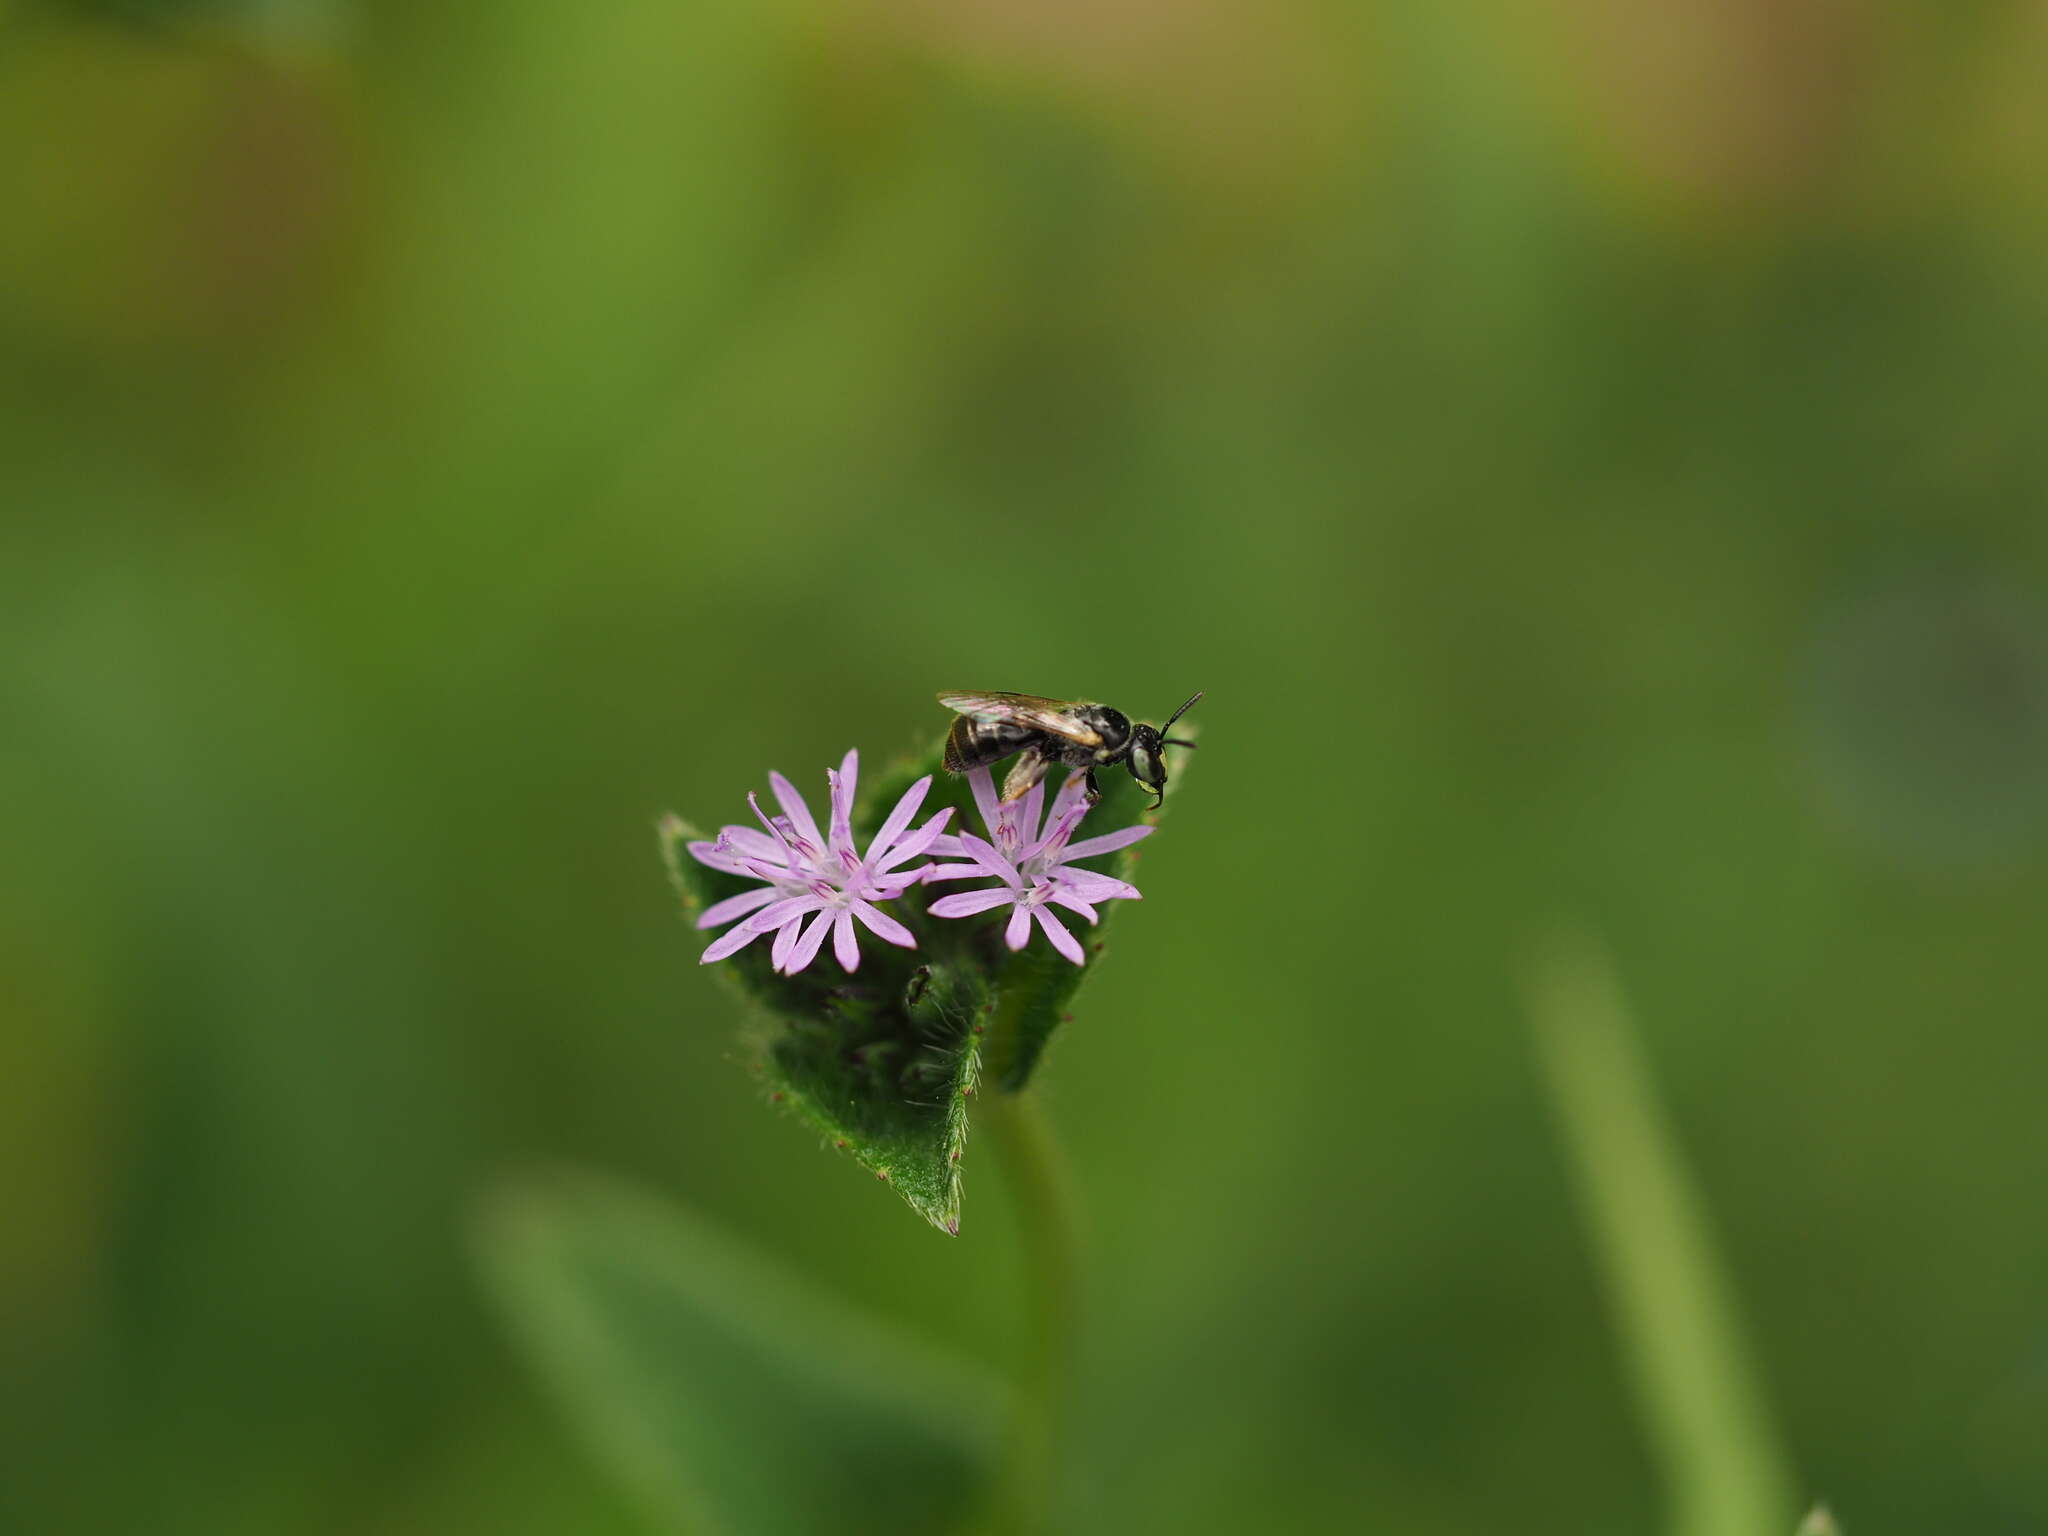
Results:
975 743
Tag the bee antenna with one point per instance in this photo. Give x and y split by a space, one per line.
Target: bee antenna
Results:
1181 711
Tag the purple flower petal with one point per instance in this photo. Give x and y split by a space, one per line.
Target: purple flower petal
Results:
843 783
725 911
805 950
990 858
784 853
785 940
1062 940
1034 809
1072 800
924 838
787 910
729 942
944 846
1023 814
752 842
1091 885
957 872
716 857
844 945
1059 829
1020 927
1073 903
1108 842
795 808
884 926
899 818
967 903
985 801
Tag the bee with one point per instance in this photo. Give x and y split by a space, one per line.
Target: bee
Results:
1082 735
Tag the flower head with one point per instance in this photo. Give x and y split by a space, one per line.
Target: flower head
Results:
813 882
1034 864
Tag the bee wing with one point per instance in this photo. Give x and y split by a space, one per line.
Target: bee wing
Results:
1055 716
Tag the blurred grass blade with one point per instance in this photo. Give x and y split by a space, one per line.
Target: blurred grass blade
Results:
728 1397
1704 1411
1818 1522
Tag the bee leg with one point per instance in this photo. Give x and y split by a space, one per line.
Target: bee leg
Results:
1094 789
1026 772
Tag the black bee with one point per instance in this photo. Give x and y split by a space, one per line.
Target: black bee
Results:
1084 736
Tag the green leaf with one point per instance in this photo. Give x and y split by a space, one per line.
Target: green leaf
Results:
885 1064
722 1391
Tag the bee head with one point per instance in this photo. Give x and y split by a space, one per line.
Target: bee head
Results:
1148 759
1148 763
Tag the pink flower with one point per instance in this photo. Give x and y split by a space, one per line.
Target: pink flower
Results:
822 878
1036 869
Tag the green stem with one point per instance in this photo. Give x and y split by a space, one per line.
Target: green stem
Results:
1037 1178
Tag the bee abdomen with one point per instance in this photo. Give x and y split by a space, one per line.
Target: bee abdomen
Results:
976 743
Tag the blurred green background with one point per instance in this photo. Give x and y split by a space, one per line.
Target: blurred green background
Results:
1591 453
